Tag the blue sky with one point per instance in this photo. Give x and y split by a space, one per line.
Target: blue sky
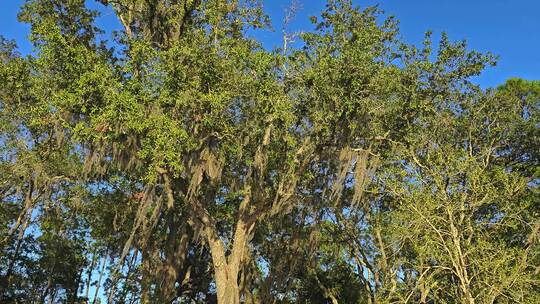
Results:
508 28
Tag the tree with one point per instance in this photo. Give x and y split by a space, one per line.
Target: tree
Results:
187 163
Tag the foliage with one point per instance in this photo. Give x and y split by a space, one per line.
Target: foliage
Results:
181 162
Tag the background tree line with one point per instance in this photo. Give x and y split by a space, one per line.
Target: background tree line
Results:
178 161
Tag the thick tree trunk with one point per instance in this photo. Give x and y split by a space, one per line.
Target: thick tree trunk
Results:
225 275
175 255
230 294
227 269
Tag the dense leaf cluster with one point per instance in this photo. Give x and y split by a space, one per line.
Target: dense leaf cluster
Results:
181 162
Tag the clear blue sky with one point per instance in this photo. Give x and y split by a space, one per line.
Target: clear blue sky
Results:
508 28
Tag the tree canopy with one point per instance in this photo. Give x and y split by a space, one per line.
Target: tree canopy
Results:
179 161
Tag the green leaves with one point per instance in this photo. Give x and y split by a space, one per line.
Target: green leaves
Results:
356 167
